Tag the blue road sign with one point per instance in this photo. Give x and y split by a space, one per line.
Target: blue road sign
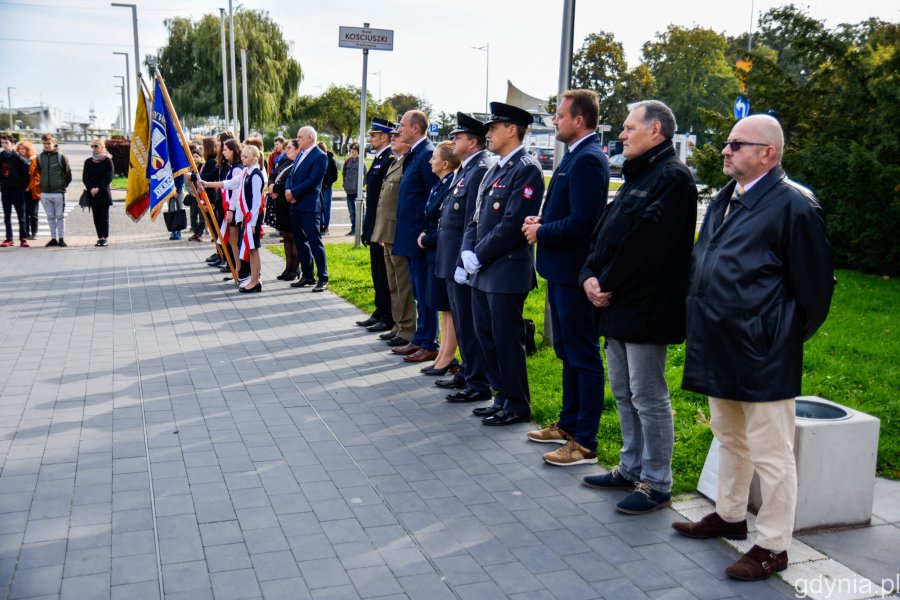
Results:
741 107
433 128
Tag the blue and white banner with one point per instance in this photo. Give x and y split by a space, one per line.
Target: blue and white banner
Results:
167 157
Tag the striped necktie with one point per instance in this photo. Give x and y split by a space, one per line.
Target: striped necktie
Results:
735 200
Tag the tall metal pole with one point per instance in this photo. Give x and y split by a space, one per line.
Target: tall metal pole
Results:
9 105
137 50
487 73
750 31
128 82
122 93
234 105
244 91
357 227
224 65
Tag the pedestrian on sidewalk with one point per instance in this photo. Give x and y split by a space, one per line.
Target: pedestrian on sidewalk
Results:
97 177
328 182
33 191
14 179
351 187
56 175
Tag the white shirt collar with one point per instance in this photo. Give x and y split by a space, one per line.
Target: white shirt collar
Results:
506 159
575 145
470 158
413 147
754 182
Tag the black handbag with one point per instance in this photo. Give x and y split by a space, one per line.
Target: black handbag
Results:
175 221
85 201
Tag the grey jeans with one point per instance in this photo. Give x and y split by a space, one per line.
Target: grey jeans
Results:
55 206
637 378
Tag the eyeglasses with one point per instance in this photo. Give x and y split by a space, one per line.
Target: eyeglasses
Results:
95 145
736 145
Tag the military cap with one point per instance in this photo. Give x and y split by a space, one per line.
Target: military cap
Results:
380 125
470 125
507 113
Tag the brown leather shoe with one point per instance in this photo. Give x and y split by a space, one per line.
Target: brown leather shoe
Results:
712 526
421 355
405 350
758 564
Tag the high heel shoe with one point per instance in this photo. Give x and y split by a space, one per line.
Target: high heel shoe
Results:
452 367
288 276
250 290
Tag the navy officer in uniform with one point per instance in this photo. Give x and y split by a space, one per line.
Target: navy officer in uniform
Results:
498 262
468 146
380 139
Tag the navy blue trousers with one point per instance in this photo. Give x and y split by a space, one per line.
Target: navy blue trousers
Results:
308 239
578 347
426 316
500 330
473 361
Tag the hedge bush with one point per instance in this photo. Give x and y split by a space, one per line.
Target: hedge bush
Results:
121 152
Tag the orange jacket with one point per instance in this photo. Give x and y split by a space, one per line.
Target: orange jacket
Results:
34 179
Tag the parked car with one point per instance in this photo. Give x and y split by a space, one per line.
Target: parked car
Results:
615 165
544 156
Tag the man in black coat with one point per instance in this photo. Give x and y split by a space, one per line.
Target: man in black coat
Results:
636 274
499 264
761 285
468 145
380 139
575 198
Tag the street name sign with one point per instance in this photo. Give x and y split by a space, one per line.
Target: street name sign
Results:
364 38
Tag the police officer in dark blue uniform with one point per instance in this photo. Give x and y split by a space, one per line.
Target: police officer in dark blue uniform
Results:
498 263
380 139
468 146
575 198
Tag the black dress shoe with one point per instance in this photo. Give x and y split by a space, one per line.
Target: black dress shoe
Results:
503 418
451 384
321 286
468 395
303 282
397 341
368 322
388 335
212 258
288 276
487 411
379 326
251 290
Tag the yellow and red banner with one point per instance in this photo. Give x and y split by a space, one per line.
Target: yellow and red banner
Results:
137 198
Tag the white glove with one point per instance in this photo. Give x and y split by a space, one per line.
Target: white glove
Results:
460 276
470 262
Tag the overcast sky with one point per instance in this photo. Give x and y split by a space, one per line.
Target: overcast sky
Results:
61 53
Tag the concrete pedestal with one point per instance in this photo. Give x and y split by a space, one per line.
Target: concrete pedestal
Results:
836 449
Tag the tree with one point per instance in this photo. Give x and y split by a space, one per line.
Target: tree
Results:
599 65
191 63
336 112
691 71
446 123
405 102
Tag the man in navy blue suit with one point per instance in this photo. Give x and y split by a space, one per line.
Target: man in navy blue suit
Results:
498 263
302 191
575 198
418 179
468 145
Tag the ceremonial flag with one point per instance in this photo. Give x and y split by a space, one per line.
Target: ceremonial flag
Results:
167 157
137 198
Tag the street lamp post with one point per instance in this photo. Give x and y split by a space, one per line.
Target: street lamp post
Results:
137 51
487 72
128 84
9 105
224 66
234 104
122 91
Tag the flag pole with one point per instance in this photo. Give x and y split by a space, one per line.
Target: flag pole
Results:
200 192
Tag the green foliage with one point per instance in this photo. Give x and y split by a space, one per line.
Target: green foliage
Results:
446 123
691 72
191 63
405 102
851 360
708 157
336 112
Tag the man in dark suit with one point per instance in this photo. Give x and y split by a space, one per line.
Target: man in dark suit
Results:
499 264
575 198
302 191
379 138
468 145
415 187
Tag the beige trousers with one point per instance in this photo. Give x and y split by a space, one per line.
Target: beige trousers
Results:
403 305
757 436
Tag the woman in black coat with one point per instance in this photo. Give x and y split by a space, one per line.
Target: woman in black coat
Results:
97 177
282 210
443 164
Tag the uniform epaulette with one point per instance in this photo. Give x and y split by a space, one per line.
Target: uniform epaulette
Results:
528 159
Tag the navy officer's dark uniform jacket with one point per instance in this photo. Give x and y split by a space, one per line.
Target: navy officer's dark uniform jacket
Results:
374 179
457 212
508 195
571 211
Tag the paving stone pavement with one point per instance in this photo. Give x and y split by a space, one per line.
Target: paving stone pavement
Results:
162 435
